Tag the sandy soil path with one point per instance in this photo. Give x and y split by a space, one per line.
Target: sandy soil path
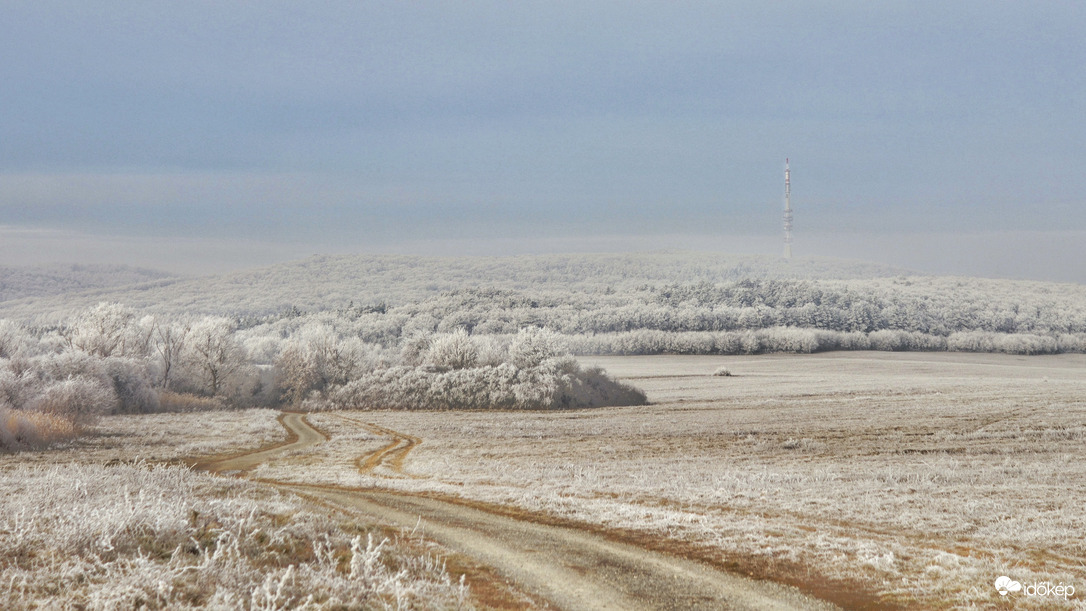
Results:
568 567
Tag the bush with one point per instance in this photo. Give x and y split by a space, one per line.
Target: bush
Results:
530 347
454 350
132 383
77 399
557 383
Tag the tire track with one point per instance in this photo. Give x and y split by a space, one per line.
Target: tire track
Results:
300 435
570 567
389 457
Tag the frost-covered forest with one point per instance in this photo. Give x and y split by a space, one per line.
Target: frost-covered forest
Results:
53 280
326 282
472 333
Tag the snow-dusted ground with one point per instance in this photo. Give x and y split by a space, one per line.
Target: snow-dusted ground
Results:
923 476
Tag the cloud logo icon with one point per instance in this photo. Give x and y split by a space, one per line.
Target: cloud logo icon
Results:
1005 584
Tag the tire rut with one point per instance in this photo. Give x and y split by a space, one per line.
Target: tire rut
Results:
391 456
301 435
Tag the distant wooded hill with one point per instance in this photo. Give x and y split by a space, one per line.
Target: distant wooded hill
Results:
66 280
331 282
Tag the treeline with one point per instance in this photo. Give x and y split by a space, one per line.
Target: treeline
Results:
931 306
748 316
110 359
806 341
488 347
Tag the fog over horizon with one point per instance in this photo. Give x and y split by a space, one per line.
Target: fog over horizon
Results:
204 137
1049 255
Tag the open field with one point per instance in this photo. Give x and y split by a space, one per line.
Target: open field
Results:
870 479
922 477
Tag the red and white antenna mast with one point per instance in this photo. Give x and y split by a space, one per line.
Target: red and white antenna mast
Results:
787 211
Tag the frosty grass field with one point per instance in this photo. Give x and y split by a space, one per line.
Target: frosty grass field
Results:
910 479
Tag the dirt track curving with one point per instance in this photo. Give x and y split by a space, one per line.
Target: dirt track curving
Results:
301 435
569 567
388 458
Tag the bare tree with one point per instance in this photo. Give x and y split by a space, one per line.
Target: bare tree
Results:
215 353
106 330
168 340
317 358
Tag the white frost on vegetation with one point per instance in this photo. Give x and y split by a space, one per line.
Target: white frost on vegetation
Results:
133 536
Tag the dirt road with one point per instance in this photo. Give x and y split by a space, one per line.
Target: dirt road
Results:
568 567
301 436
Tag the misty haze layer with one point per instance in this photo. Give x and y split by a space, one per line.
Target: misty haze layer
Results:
384 127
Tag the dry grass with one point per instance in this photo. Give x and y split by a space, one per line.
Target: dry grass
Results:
133 536
20 430
159 438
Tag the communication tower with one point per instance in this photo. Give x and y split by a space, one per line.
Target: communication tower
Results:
787 211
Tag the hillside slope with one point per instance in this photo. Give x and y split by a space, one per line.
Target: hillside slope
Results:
30 283
329 282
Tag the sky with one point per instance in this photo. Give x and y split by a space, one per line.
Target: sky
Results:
205 135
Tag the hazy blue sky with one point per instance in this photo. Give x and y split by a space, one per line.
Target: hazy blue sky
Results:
382 125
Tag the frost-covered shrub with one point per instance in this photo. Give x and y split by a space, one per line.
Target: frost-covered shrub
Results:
788 339
456 350
132 536
1011 343
413 349
17 385
20 430
557 383
81 400
14 340
1071 342
492 350
133 383
530 347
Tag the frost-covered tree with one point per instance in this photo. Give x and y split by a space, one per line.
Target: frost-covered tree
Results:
168 341
214 353
106 330
317 358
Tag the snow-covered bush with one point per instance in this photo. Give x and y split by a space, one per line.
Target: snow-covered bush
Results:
556 383
78 399
531 346
456 350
